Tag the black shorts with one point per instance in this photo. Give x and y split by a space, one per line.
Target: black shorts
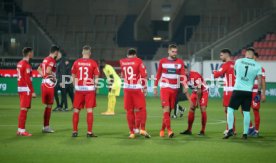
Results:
241 98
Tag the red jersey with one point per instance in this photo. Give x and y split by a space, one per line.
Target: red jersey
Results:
134 73
194 80
48 62
170 72
227 70
255 87
24 77
85 71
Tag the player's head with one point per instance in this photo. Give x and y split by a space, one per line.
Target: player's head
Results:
225 54
54 50
172 50
28 52
59 56
250 53
256 56
86 51
102 63
131 53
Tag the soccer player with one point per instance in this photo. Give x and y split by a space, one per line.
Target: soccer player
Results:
246 71
254 130
170 72
25 89
114 82
135 89
47 70
85 73
226 70
199 98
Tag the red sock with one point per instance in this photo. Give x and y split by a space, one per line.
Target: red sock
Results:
203 121
257 119
89 120
75 121
251 124
167 120
130 120
138 119
144 119
47 116
191 117
163 124
22 119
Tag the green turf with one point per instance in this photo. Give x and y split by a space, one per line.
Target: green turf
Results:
112 145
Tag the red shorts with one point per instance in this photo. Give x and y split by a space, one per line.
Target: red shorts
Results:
168 97
226 98
134 99
84 97
203 101
255 105
25 99
47 94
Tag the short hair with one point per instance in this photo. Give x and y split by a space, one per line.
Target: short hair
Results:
251 49
131 51
54 48
26 51
256 54
86 49
171 46
227 51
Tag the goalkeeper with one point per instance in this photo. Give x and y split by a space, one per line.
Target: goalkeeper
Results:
114 86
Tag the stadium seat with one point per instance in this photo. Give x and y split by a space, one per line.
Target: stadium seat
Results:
265 44
256 45
268 37
273 37
270 44
274 44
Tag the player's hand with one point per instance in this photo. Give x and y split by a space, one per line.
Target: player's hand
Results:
257 98
145 91
155 91
263 98
61 85
33 95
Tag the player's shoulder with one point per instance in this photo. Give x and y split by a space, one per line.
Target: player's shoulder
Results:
194 74
20 63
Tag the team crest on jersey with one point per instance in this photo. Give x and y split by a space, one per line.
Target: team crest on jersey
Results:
176 65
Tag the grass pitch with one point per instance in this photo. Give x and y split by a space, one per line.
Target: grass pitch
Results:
113 144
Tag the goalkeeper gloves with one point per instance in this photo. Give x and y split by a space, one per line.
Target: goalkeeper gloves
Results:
257 98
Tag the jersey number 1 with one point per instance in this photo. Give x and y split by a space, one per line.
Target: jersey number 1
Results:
246 69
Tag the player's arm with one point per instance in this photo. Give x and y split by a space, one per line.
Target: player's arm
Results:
39 70
96 75
220 72
199 91
158 76
144 75
28 80
73 72
263 98
183 79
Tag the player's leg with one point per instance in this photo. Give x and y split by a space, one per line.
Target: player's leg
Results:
191 114
140 113
25 103
90 103
166 104
235 102
48 99
78 104
246 104
130 116
203 106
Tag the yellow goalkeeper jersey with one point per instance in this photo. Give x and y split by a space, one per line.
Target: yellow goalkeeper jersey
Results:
109 70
